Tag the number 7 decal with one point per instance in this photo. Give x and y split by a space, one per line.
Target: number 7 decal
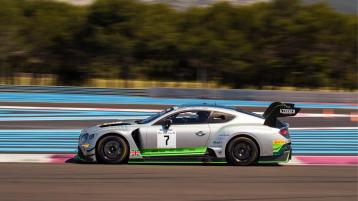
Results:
166 139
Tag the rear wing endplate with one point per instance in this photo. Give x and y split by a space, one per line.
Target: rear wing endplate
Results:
278 109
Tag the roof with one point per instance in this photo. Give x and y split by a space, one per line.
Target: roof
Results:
208 106
233 109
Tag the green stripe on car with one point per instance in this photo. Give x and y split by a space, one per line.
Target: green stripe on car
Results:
173 151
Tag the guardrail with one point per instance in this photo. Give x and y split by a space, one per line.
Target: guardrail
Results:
73 90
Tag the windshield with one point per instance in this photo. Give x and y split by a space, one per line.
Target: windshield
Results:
155 116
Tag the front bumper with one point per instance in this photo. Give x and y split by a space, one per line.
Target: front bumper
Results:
86 146
83 155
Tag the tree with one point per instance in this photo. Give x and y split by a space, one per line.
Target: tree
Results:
12 47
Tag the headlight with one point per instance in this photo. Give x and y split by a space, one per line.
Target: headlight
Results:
91 136
84 137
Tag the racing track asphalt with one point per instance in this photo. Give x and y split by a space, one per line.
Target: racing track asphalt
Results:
58 182
44 182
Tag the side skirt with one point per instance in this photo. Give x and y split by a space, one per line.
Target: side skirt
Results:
184 155
173 152
178 160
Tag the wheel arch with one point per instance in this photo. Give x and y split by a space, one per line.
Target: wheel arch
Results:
244 135
112 134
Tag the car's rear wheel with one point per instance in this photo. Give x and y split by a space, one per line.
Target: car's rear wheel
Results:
242 151
112 150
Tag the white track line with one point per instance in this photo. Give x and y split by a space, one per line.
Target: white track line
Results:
326 115
25 158
321 115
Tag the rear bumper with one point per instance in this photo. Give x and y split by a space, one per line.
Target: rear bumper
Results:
283 156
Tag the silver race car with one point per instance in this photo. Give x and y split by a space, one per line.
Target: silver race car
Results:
193 132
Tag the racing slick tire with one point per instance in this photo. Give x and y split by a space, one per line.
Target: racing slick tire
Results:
112 150
242 151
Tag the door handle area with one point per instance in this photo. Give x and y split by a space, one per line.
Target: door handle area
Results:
200 133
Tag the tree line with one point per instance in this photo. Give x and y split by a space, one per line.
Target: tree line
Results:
279 43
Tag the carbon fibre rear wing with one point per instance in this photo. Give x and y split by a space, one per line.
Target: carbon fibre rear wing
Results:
278 109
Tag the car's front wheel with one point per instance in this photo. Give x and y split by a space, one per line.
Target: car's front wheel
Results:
242 151
112 150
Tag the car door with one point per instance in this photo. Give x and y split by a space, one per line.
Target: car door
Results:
188 134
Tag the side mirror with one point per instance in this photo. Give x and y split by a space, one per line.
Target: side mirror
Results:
166 123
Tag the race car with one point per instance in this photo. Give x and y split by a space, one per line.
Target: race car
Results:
193 132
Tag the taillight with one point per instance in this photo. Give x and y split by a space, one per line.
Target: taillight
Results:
284 131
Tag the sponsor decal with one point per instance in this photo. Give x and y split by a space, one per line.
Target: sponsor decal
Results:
287 111
220 140
277 145
135 152
279 141
166 138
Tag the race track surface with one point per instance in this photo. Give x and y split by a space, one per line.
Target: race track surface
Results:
43 182
27 128
48 127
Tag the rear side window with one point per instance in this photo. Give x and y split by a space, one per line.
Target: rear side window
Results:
220 117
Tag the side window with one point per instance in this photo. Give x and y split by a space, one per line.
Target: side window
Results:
188 117
220 117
